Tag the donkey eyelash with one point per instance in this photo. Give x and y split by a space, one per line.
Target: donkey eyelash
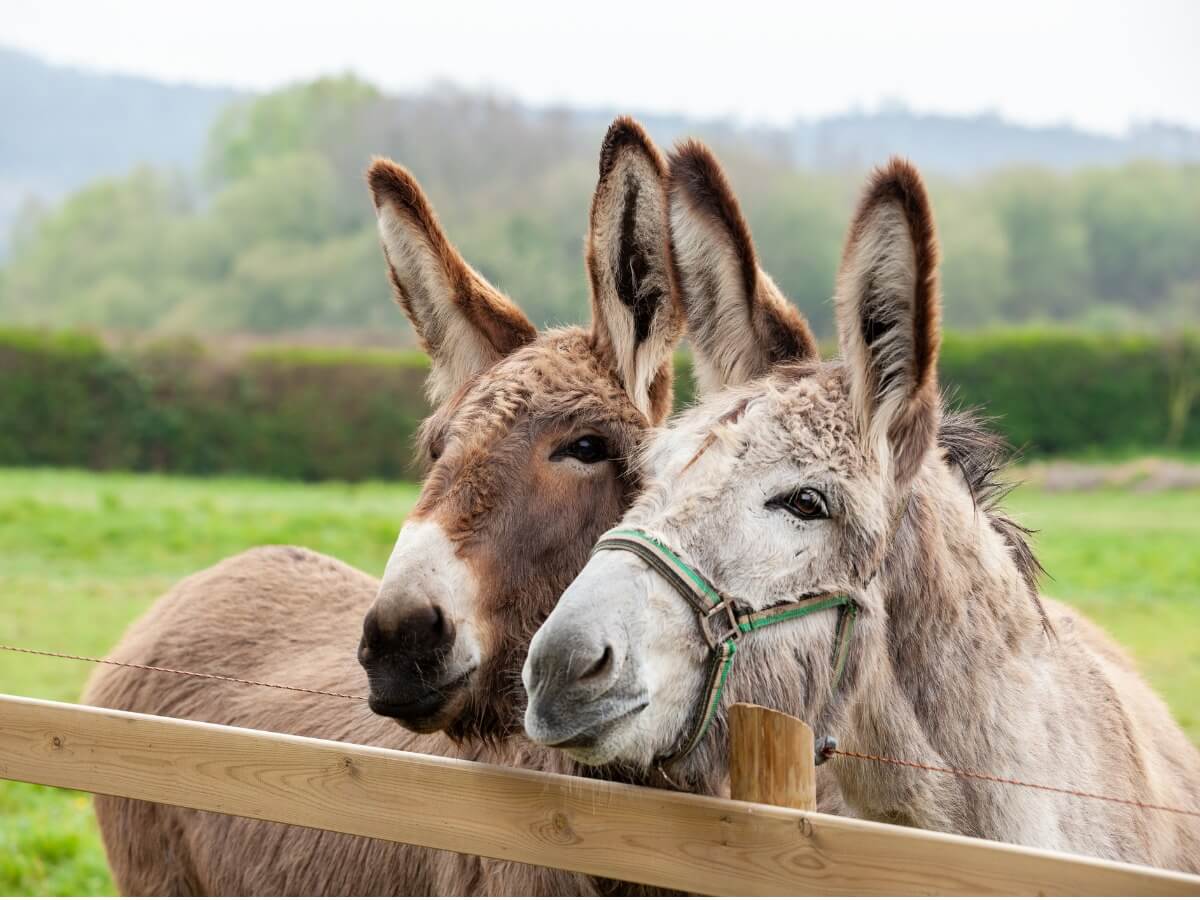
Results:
805 503
587 448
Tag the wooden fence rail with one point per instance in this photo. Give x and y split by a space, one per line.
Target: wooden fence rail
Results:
673 840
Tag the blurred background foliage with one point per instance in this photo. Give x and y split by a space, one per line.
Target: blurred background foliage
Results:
273 234
193 285
178 405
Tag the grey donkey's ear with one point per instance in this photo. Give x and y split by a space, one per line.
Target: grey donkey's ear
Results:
739 322
888 314
464 324
636 318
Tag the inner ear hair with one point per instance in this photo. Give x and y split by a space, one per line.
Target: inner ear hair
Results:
463 323
635 308
889 311
740 324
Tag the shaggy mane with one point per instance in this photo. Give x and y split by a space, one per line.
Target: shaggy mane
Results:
981 455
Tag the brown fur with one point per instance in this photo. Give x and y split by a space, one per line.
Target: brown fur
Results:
504 326
292 616
524 527
522 524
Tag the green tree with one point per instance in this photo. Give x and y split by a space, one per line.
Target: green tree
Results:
1047 246
277 235
105 257
1143 231
976 264
309 116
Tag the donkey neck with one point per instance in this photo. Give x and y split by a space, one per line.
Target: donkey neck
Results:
950 676
951 581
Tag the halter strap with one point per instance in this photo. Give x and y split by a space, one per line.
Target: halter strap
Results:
720 622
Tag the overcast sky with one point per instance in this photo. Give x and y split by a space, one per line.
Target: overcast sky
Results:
1096 64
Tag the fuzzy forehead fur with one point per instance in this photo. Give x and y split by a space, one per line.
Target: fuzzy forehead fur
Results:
557 377
799 413
803 413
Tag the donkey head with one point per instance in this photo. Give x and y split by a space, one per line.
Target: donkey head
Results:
527 449
785 485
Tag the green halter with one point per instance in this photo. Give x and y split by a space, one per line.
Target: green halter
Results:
720 622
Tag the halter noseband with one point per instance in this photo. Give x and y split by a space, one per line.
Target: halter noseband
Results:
720 622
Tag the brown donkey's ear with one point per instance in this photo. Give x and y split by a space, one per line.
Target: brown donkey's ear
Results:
465 324
888 314
636 318
739 322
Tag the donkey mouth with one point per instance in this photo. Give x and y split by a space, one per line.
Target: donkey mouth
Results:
588 737
413 711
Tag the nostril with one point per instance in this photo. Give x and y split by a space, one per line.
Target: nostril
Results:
601 666
437 625
427 628
370 638
389 632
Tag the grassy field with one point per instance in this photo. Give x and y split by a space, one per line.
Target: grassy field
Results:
81 555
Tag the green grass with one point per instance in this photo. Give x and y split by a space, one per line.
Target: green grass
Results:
1131 562
82 555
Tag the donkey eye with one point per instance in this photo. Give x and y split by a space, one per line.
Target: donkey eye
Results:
589 449
806 503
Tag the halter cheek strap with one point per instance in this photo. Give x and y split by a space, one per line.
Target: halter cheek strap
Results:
720 622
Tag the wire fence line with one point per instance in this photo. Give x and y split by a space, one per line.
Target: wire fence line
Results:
844 754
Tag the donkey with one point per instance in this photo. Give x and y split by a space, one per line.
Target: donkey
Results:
841 509
527 464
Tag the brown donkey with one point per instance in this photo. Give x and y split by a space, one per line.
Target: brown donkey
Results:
865 579
527 451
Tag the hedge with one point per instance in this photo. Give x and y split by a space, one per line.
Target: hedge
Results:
69 399
1068 393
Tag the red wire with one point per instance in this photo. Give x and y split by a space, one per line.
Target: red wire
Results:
128 665
945 770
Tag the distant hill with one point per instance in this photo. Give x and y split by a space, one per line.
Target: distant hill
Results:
274 235
63 127
967 145
66 126
947 145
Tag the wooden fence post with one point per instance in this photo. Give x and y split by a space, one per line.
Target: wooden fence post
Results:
771 758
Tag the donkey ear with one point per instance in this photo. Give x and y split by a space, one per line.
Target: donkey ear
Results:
636 318
464 324
739 322
888 314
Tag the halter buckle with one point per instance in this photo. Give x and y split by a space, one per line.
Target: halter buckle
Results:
725 620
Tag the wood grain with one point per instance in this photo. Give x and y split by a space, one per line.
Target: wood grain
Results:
771 758
697 844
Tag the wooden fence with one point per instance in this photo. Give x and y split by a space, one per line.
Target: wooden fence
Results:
672 840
